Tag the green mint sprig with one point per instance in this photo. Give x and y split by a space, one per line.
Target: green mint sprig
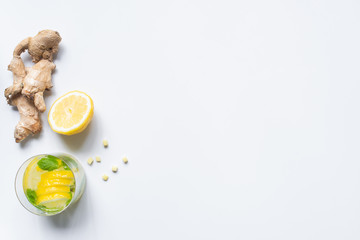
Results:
48 163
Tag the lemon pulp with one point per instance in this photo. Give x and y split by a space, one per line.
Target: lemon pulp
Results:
71 113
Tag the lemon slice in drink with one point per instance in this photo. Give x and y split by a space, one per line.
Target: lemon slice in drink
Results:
52 189
56 200
55 182
56 179
33 181
71 113
58 174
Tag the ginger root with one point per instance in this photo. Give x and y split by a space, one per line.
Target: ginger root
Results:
29 84
29 118
37 80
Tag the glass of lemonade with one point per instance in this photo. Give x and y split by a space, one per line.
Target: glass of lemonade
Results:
47 184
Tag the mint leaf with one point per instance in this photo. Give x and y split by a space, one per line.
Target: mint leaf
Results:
68 201
41 207
48 163
48 210
31 196
66 167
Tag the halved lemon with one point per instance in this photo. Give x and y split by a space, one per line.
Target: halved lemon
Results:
71 113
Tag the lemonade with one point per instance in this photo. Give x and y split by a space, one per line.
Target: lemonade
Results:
50 183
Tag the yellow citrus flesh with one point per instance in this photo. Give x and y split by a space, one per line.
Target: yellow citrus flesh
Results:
71 113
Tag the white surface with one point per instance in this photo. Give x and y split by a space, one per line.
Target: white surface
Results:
240 118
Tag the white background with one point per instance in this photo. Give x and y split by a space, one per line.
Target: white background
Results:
240 118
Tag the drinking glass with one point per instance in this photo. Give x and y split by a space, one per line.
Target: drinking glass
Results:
75 167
